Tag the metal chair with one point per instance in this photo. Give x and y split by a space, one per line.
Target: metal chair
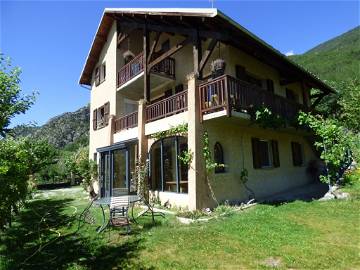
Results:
119 212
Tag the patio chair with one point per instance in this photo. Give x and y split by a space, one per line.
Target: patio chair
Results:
119 210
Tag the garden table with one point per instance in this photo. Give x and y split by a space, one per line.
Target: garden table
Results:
106 202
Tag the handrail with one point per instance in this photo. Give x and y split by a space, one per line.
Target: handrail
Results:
125 122
166 107
228 93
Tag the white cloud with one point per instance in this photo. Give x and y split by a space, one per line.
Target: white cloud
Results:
291 52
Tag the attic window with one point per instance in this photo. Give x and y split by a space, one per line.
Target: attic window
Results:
100 74
97 76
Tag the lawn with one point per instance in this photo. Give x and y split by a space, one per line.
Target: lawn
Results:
297 235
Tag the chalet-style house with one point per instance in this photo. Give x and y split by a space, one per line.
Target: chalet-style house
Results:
151 70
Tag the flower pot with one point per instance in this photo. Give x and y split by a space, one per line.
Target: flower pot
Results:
218 67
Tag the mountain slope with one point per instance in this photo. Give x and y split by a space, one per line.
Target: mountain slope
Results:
62 130
337 59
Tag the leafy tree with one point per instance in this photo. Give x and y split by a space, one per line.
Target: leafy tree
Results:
11 100
19 160
334 142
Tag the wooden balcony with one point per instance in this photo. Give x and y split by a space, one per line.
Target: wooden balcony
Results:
126 122
230 94
167 107
136 66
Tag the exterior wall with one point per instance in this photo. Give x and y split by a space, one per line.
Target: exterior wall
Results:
104 92
236 143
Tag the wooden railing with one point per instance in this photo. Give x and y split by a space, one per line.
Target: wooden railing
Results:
136 66
166 107
228 93
126 122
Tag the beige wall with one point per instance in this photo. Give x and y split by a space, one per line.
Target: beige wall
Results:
104 92
236 143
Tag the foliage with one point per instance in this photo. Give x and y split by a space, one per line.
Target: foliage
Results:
336 59
19 161
11 100
186 157
244 174
333 141
265 118
210 164
195 214
141 174
179 130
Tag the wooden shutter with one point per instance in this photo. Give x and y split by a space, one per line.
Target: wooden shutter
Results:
106 112
95 119
256 153
296 154
275 153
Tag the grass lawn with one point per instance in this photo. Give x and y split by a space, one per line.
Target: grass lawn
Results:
297 235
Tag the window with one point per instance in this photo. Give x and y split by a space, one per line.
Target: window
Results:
290 94
270 85
167 173
100 74
297 154
265 153
101 116
219 157
97 76
179 88
240 72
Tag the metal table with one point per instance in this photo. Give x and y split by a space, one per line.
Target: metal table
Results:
105 202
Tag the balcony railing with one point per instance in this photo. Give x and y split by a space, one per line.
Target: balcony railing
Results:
126 122
166 107
136 66
228 93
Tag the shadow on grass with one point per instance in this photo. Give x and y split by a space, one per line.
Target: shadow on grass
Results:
44 237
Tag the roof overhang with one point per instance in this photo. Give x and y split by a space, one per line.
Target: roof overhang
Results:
210 23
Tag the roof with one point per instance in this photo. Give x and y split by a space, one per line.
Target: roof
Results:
206 19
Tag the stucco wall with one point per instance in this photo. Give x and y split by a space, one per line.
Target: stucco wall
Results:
236 143
104 92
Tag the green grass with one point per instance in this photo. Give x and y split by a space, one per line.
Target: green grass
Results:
299 235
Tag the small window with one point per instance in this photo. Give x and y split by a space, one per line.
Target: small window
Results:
219 157
290 94
97 76
265 153
240 72
95 157
102 115
103 73
270 85
297 154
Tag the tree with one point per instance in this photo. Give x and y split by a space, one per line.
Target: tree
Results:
334 142
19 160
11 100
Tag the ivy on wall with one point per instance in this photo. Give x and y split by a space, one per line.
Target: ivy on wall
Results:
179 130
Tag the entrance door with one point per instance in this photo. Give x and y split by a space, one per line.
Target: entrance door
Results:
120 172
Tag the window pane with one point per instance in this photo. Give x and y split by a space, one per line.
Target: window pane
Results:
155 156
119 181
264 153
169 159
132 156
183 168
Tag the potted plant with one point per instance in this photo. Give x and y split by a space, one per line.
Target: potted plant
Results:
218 67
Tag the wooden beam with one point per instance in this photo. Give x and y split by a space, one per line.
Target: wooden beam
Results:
317 95
146 66
170 52
153 46
317 101
197 54
121 38
207 54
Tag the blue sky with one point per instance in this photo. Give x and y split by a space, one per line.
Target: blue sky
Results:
50 40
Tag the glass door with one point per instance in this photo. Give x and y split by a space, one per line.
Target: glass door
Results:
120 175
105 180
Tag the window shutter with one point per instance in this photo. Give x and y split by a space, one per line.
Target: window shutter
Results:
95 119
256 153
106 112
275 152
296 154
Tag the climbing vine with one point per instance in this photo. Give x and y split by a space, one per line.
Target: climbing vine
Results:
186 157
265 118
210 164
179 130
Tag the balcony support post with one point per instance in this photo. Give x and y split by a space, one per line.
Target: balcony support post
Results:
146 66
197 53
198 189
142 140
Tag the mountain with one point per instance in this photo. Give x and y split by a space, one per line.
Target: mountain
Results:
337 59
63 131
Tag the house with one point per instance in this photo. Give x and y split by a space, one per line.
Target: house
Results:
150 70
